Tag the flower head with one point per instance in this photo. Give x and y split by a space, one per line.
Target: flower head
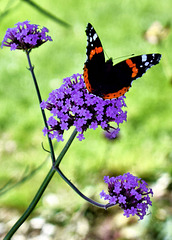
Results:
25 36
72 105
130 192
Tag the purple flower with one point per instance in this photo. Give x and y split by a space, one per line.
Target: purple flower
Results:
112 134
25 36
130 192
80 136
73 105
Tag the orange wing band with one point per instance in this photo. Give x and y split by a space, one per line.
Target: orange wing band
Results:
95 51
87 83
116 94
133 67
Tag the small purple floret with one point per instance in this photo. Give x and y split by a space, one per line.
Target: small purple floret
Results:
73 105
130 192
25 36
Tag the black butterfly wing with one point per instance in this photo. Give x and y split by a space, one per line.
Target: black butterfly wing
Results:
108 81
95 62
120 76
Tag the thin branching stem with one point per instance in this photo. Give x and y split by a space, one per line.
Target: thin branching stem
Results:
31 68
41 189
55 168
104 206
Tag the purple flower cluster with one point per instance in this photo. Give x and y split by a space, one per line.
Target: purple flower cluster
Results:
130 192
73 105
25 36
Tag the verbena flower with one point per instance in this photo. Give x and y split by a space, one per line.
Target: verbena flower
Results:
130 192
25 36
73 105
112 134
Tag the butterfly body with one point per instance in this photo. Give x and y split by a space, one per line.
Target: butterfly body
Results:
106 80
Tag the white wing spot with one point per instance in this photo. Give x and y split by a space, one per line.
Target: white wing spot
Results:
144 58
94 36
146 64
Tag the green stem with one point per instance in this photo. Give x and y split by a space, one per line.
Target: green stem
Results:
31 206
47 14
60 157
31 68
41 189
105 206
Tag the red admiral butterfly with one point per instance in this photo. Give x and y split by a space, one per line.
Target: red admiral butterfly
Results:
107 80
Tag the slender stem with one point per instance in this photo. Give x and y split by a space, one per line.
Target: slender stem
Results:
31 206
47 14
105 206
41 189
66 147
31 68
56 167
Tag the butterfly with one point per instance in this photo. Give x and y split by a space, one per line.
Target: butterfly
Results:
109 81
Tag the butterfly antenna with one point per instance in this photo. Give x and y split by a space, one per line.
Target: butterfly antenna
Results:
129 55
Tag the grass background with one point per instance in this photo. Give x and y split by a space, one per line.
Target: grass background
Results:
145 144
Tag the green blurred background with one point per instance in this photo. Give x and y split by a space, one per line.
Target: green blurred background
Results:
144 146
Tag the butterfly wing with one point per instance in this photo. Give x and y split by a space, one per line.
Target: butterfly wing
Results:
107 80
120 76
94 65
